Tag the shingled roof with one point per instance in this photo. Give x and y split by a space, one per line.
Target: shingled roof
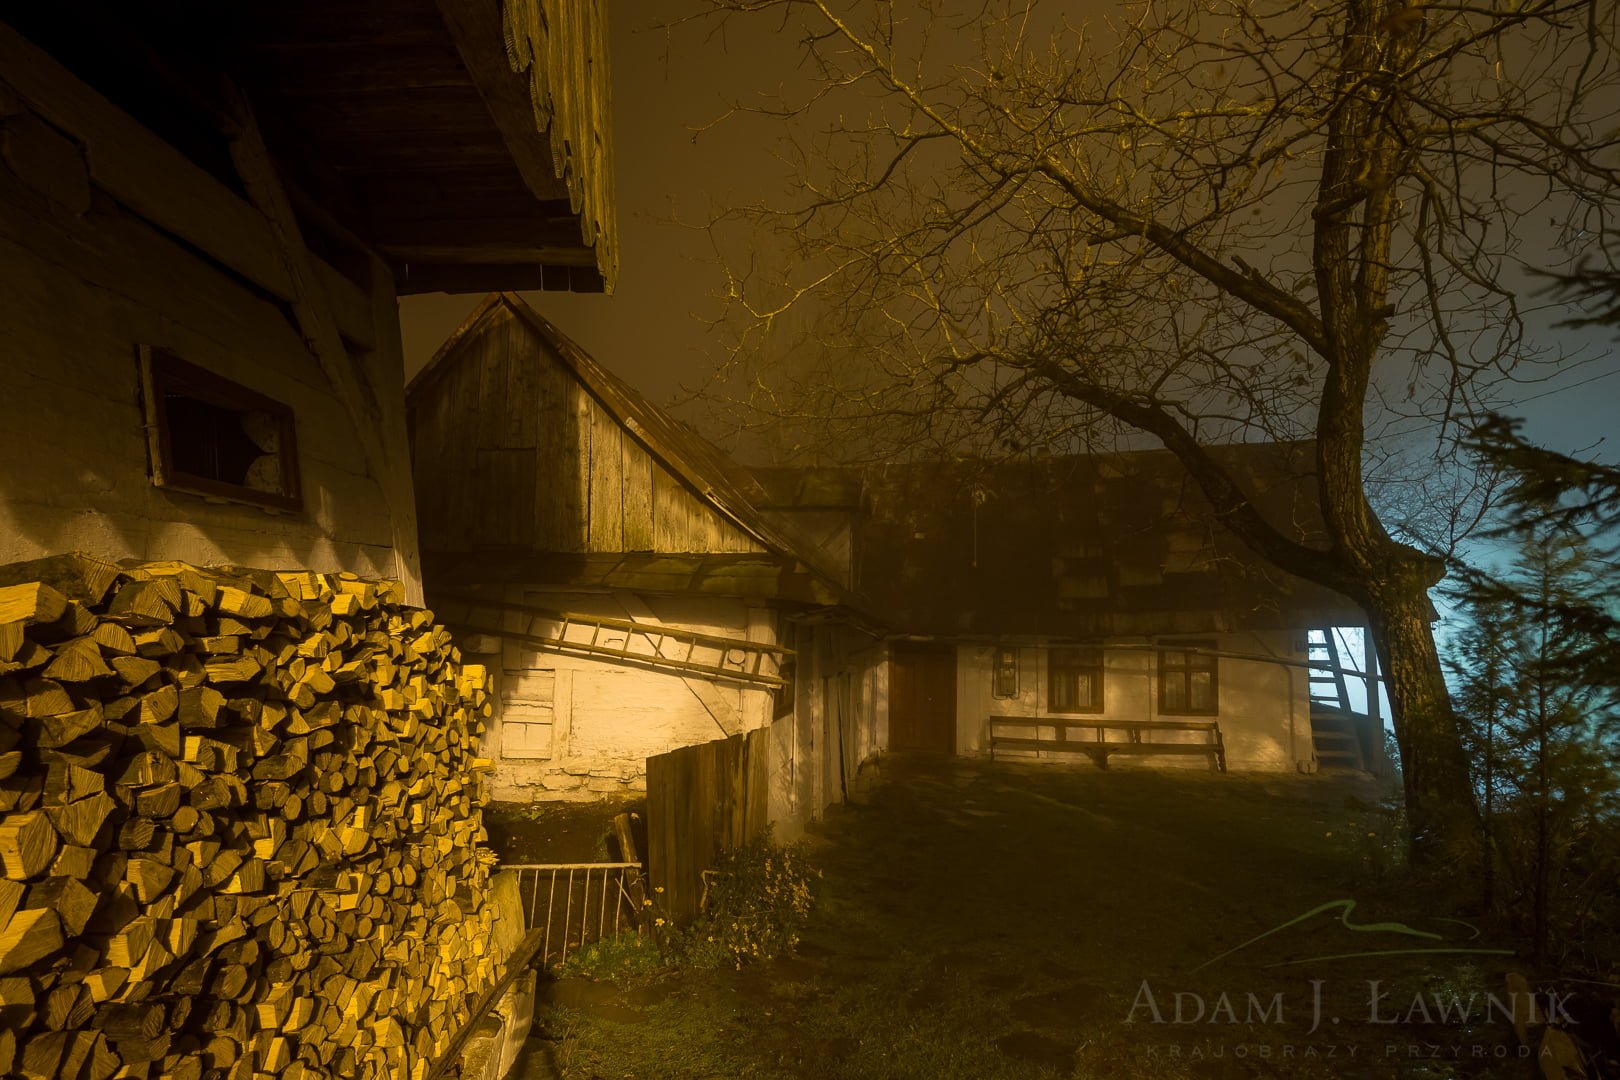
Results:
1077 547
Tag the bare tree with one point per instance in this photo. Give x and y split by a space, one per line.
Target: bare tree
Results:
1214 220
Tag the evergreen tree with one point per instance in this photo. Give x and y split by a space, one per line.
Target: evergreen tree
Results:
1541 721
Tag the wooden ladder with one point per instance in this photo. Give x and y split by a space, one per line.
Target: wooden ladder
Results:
664 647
1334 734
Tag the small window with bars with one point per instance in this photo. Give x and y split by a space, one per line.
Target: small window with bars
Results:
1189 682
1074 681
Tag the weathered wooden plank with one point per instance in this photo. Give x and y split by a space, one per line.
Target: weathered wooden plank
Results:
144 172
461 456
480 39
607 482
311 306
699 523
561 490
351 307
387 361
523 411
702 801
666 511
505 492
120 252
638 497
490 368
574 463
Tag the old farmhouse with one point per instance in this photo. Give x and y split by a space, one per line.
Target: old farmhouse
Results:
1064 606
631 597
240 827
202 259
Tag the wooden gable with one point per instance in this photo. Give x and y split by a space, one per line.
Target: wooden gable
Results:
514 452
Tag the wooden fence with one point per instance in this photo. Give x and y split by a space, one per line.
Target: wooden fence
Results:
701 801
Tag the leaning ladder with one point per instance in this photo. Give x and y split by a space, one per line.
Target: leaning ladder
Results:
670 648
1334 735
1323 650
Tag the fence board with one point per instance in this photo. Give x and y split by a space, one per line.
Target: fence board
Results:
702 801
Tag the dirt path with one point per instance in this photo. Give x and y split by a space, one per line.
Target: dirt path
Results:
984 921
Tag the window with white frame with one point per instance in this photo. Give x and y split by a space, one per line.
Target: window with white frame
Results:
1074 679
1189 681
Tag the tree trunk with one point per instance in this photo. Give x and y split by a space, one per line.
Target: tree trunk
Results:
1442 813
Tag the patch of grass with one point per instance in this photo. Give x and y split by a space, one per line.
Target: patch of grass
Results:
628 958
1010 945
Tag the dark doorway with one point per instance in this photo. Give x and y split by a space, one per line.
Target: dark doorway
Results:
922 697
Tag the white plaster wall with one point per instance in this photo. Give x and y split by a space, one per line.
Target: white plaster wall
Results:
619 713
839 723
81 294
1264 708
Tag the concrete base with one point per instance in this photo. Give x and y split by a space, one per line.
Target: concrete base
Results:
516 1010
481 1059
496 1042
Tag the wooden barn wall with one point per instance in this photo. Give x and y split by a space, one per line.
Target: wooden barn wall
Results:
512 451
87 281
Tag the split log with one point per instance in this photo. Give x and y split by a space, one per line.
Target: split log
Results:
27 845
29 936
224 819
80 821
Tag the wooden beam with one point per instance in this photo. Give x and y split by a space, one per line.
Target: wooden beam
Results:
413 278
142 171
162 185
311 304
388 372
526 955
480 36
492 252
351 308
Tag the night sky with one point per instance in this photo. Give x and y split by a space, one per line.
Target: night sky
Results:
653 330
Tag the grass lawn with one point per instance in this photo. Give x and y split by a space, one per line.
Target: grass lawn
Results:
1006 921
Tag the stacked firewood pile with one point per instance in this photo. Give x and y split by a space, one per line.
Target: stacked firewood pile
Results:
239 826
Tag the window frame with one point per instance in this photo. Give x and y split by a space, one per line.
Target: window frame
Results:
1196 662
1008 661
526 713
1098 671
163 372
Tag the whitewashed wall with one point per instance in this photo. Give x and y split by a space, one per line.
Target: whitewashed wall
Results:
1264 708
605 718
838 726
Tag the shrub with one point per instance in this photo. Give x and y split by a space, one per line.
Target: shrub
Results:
755 904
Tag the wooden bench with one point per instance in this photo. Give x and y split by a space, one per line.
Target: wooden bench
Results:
1099 746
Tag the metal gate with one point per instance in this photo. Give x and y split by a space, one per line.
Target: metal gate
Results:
575 904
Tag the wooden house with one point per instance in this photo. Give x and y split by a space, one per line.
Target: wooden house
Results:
206 216
1089 601
634 600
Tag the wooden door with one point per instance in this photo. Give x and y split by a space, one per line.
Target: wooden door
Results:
922 697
